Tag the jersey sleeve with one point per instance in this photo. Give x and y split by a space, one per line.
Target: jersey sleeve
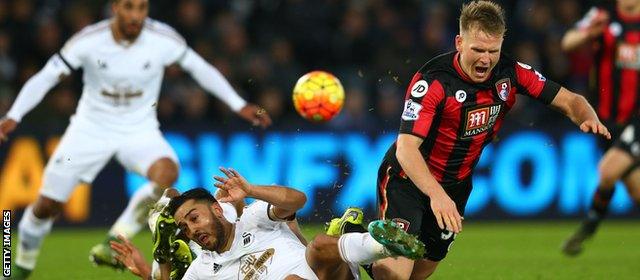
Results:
175 52
211 79
37 87
73 52
257 214
530 82
176 46
422 99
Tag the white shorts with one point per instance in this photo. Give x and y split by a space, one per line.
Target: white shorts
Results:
83 152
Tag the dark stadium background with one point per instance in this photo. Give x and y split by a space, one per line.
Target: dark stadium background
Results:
531 186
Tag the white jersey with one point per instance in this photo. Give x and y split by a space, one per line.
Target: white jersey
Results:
261 249
122 82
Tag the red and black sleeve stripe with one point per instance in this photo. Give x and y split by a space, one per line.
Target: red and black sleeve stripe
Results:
422 100
533 84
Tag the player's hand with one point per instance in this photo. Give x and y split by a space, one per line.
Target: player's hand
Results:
7 126
131 257
598 24
595 127
235 186
257 116
446 212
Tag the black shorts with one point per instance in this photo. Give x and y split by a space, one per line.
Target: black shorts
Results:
401 201
616 141
629 139
615 129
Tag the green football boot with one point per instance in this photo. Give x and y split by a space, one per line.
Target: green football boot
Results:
353 216
163 236
103 255
181 258
396 240
18 273
575 244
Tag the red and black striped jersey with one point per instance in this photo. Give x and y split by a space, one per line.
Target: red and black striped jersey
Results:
615 78
457 117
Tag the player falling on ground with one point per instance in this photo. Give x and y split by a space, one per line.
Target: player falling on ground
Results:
123 59
181 250
454 106
615 32
260 245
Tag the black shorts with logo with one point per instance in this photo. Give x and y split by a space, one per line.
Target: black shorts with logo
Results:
629 139
401 201
626 144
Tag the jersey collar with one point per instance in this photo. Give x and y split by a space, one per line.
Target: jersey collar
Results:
456 65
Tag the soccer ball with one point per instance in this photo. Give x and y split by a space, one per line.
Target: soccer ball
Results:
318 96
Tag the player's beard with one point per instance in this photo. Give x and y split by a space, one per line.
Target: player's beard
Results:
219 240
129 30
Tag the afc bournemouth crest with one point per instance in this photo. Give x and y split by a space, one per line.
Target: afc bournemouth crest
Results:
503 87
402 223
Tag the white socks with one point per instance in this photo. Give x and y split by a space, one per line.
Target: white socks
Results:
360 248
31 232
134 217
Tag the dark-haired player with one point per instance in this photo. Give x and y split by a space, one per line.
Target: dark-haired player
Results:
260 245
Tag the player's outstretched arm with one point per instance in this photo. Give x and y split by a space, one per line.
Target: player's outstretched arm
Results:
131 257
285 201
240 204
576 108
589 28
413 164
215 83
295 228
31 94
7 125
257 116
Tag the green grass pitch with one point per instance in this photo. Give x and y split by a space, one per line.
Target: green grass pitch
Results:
507 250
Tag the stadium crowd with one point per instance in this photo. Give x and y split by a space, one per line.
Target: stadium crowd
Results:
262 47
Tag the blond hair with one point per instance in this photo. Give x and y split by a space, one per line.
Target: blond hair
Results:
486 16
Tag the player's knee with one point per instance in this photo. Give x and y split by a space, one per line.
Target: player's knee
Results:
323 252
323 257
46 207
385 272
607 176
321 245
164 172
